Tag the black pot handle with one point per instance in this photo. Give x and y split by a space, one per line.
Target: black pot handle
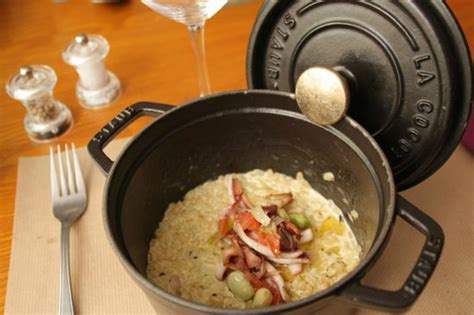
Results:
113 128
402 299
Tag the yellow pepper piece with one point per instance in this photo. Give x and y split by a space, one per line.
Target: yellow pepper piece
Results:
333 250
332 225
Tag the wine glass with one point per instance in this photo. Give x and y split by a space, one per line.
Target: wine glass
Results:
193 14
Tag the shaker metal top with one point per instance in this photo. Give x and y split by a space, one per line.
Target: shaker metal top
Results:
81 39
85 49
26 71
322 95
30 82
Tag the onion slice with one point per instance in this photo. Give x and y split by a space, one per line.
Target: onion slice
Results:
294 254
306 236
288 261
230 190
278 280
281 200
224 211
295 268
262 249
220 272
260 216
277 220
246 202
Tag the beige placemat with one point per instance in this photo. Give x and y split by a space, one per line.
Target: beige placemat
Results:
100 285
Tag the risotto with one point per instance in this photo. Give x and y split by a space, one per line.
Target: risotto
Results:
271 233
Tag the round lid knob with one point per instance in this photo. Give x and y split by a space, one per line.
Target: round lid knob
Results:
322 95
85 49
30 82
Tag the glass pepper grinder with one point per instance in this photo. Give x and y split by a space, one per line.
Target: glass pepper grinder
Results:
46 118
97 86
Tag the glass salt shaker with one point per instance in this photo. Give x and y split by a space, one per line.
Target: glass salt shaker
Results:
97 86
46 118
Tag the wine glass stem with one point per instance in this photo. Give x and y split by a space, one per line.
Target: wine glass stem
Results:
199 48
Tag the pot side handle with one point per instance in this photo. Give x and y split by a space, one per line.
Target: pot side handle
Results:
112 129
402 299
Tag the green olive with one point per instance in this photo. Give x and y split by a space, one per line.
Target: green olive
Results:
300 220
240 286
263 298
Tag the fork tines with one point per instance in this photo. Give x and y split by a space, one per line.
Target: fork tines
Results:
74 183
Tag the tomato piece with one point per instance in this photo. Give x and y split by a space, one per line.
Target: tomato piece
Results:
224 226
271 240
247 221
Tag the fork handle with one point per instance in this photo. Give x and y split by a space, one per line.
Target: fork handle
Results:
65 293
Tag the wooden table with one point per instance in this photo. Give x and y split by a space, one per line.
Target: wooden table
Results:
149 53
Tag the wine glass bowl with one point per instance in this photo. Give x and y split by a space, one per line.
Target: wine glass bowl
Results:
193 14
188 12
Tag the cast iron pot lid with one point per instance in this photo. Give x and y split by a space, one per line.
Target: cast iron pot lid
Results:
406 62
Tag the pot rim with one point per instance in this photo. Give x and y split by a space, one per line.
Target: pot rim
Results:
354 275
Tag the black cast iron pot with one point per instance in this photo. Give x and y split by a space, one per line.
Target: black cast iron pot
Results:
238 132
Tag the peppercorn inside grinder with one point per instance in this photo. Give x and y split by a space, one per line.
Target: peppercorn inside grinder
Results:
46 118
97 86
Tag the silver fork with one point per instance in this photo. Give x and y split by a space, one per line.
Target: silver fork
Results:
69 202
